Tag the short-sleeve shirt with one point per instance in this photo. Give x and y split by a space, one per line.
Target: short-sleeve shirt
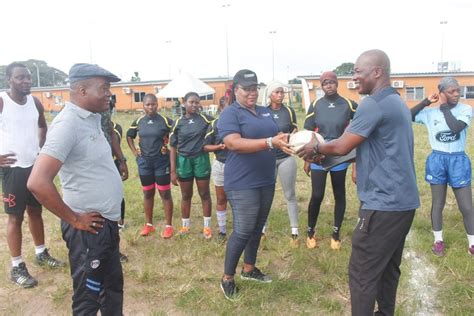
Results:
386 179
213 138
330 117
441 137
286 120
253 170
89 178
187 134
153 134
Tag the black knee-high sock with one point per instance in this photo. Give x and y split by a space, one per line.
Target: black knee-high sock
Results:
318 186
338 180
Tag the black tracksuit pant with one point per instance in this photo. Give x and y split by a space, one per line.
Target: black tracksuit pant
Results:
95 269
374 268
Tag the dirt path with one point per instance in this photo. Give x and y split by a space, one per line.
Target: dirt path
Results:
422 285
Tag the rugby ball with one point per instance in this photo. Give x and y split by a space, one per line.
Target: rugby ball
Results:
301 138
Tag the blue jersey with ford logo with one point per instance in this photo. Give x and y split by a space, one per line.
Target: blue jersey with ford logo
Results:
441 137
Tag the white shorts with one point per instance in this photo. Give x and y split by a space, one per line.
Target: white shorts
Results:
218 173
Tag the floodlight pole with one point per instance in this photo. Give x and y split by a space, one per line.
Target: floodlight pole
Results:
442 39
272 34
37 74
227 5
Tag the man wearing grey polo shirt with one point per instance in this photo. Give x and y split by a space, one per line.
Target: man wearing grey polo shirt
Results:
89 210
386 184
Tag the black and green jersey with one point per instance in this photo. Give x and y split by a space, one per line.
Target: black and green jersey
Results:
213 138
286 120
188 133
330 116
153 134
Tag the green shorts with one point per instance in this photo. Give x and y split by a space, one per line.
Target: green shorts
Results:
198 167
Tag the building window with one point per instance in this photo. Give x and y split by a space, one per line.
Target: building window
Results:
172 99
138 96
467 92
58 100
319 94
415 93
207 97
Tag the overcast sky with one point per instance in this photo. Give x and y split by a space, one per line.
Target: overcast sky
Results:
160 38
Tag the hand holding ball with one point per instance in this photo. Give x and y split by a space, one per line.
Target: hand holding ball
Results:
301 138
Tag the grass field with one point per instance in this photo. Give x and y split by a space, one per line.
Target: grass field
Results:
180 276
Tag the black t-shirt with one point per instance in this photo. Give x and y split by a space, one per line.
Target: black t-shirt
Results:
152 132
330 116
118 130
286 120
187 134
213 138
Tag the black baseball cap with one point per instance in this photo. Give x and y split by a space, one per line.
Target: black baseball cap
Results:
245 78
80 72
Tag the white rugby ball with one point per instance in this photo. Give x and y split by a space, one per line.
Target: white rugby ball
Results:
301 138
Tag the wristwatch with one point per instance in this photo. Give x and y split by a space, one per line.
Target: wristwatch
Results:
123 159
269 142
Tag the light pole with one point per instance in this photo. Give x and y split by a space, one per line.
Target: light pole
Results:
272 34
442 38
168 42
37 74
226 41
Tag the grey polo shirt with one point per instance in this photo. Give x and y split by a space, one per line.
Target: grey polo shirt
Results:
89 178
386 178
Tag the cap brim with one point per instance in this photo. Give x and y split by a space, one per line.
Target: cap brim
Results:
246 85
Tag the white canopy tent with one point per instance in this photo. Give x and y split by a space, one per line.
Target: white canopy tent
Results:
182 84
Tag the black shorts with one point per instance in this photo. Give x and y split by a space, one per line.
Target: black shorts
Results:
15 194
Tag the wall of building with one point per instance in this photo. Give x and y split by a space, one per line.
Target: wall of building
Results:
53 98
428 83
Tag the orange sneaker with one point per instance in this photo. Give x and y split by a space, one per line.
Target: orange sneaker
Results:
168 232
147 230
207 233
183 231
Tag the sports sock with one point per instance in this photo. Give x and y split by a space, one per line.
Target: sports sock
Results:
149 224
39 249
310 232
438 235
335 233
470 239
294 231
16 261
186 222
207 221
222 220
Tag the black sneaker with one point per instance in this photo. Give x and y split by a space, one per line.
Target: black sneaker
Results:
22 277
221 237
255 275
123 258
45 259
229 289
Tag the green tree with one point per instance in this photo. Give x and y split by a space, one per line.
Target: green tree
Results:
294 81
48 76
135 77
344 69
